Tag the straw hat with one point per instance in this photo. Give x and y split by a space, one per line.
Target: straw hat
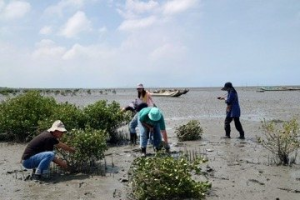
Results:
57 126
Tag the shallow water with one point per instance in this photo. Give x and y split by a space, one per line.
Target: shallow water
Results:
202 103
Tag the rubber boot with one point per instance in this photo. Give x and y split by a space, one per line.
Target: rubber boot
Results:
131 138
134 138
156 149
242 136
143 151
167 148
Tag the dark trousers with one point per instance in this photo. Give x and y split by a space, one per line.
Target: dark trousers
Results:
237 124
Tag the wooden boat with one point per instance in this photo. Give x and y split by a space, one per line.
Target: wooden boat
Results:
184 91
175 93
263 89
169 92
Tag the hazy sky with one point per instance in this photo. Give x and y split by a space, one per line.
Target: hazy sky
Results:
161 43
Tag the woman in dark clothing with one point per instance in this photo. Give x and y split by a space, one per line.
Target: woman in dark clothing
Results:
135 107
233 111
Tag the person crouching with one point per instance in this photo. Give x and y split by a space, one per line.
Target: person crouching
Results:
39 152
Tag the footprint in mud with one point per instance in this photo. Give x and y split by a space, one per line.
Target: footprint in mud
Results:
117 193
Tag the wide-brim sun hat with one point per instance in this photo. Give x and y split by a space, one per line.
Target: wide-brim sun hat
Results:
57 126
227 86
154 114
140 86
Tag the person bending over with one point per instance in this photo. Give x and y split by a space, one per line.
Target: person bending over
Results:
151 121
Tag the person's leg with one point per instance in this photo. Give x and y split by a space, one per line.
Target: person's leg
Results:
132 126
40 161
134 138
45 160
29 163
150 138
144 132
156 137
227 126
239 127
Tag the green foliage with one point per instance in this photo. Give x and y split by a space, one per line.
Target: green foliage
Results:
162 177
190 131
7 91
281 141
69 114
102 115
19 116
90 145
28 114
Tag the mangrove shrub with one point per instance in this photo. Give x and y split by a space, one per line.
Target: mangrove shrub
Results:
28 114
165 177
108 117
190 131
89 144
71 115
19 116
281 141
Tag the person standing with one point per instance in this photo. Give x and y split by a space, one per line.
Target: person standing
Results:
233 110
39 152
151 121
144 95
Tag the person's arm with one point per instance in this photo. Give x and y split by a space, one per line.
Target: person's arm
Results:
165 136
228 108
162 127
65 147
150 101
147 126
143 116
127 108
63 164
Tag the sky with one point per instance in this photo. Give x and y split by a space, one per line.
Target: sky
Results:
160 43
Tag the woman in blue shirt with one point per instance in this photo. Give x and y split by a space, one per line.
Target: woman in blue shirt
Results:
233 111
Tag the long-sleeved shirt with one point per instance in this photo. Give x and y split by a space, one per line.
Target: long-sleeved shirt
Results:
233 102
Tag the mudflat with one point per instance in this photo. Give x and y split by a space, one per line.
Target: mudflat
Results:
238 169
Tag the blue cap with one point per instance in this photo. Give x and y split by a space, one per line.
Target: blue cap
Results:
227 86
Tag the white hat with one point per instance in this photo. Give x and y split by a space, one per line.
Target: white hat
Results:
140 86
57 126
